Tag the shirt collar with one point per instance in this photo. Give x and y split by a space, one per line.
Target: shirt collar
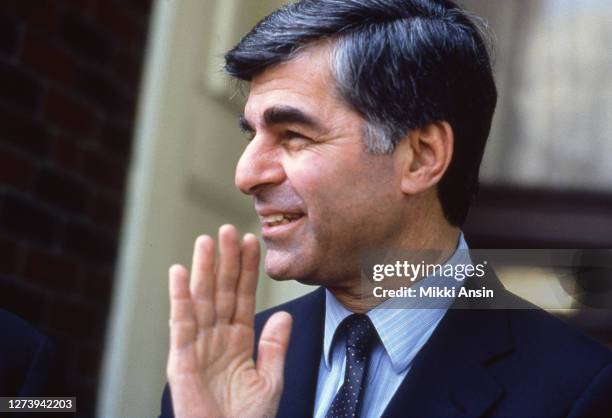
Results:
401 330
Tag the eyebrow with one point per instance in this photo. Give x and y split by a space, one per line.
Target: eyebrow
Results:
277 115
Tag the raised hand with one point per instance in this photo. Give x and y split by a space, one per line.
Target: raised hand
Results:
210 365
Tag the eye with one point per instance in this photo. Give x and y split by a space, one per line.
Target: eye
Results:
295 141
295 135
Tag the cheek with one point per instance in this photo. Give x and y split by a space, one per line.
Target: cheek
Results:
323 186
343 189
310 177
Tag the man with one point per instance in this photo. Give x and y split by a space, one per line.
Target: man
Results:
367 121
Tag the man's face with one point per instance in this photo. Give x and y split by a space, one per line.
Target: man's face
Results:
320 197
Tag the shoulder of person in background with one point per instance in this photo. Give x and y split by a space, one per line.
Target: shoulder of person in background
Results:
26 358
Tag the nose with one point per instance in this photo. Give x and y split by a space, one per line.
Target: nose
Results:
259 166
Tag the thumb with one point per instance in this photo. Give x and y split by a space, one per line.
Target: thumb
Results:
272 348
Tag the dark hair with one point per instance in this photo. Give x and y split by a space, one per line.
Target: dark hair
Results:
402 64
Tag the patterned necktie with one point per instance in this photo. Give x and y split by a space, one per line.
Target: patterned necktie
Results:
361 337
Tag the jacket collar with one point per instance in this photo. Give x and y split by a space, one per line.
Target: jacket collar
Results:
303 357
438 384
449 377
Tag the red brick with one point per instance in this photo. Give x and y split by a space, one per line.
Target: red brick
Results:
118 22
24 132
106 211
66 353
117 138
43 56
142 7
16 170
68 113
88 360
42 15
127 67
9 251
85 392
25 218
28 303
10 32
86 40
20 90
76 319
50 42
104 170
66 153
54 271
64 191
86 8
90 243
96 284
105 92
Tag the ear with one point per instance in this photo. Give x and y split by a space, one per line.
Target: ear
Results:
425 156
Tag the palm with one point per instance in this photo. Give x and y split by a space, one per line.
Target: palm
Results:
210 366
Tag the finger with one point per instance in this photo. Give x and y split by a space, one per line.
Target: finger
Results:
272 348
227 274
182 320
247 282
203 280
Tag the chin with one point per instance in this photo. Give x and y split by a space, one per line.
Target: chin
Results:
278 277
293 272
281 272
281 266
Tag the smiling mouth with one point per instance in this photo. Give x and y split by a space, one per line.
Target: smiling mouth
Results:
279 219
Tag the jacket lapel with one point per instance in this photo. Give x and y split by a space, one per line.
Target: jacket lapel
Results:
303 358
449 376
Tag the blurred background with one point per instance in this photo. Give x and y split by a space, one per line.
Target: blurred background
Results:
118 144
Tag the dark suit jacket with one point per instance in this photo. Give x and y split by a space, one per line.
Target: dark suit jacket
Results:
477 363
25 358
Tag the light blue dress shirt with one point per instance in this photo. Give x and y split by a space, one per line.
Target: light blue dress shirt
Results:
403 332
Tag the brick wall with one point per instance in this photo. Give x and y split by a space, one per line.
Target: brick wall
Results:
69 76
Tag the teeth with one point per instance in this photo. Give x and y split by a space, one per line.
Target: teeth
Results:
272 218
279 219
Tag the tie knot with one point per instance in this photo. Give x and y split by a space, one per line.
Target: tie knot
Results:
361 333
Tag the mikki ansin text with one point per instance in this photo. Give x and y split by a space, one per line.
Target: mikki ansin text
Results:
432 292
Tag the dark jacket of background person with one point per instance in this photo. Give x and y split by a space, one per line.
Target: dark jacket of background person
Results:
26 358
